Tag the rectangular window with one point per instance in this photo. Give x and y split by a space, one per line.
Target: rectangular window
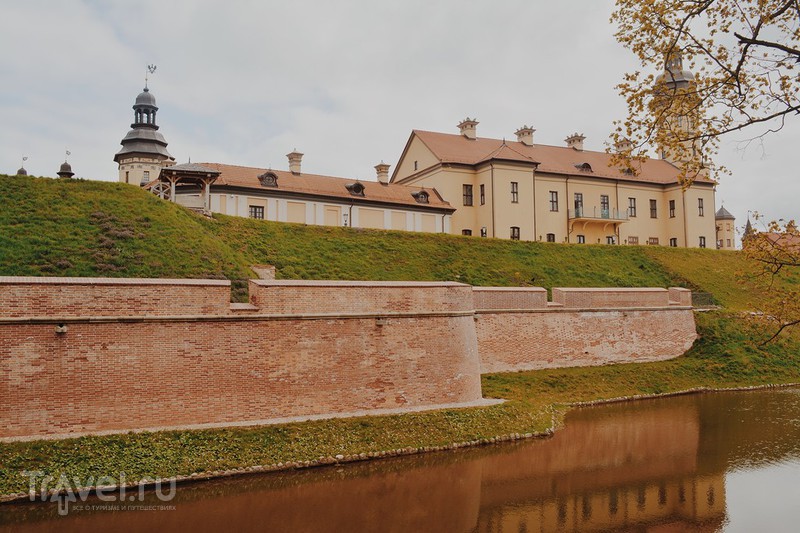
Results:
466 232
672 209
632 207
467 194
146 176
729 242
581 239
633 240
416 165
514 192
700 207
652 240
673 242
551 237
653 209
514 233
553 200
604 206
702 242
257 211
611 239
578 204
483 194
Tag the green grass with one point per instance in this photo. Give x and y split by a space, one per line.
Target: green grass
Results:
80 228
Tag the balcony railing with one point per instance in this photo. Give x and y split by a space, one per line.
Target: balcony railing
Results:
598 213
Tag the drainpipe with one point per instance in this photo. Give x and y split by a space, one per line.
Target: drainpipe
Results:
493 219
566 202
533 179
619 212
350 215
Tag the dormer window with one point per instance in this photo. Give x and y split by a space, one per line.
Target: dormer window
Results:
584 167
420 196
356 189
268 179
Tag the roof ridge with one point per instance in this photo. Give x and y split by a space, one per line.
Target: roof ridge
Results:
313 176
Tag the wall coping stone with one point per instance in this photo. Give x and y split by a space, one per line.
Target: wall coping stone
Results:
509 289
337 283
611 289
34 280
557 308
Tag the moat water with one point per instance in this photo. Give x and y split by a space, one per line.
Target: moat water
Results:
713 462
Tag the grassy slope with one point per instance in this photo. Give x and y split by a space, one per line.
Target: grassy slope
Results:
83 228
49 221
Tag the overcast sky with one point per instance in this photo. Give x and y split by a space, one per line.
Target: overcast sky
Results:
345 82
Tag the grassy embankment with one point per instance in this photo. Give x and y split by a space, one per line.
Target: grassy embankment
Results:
63 228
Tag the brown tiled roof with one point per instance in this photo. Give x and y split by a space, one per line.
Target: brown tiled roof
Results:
313 184
451 148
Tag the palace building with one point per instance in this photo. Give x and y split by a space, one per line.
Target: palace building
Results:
461 184
293 196
527 191
283 196
520 190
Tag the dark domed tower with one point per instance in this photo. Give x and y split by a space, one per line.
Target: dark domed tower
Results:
65 171
144 150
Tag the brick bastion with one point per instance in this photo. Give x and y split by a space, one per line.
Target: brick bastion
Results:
102 355
518 329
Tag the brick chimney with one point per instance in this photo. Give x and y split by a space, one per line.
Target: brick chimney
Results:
467 128
383 172
575 141
525 135
294 161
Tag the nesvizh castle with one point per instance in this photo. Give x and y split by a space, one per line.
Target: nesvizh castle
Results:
458 183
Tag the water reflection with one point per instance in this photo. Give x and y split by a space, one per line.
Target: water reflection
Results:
657 465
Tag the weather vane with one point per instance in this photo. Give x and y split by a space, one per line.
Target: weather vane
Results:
152 70
68 154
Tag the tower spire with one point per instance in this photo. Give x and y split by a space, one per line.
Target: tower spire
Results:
151 69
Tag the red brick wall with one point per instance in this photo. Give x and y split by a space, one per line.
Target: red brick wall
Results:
370 297
168 353
611 297
75 297
560 338
117 375
509 297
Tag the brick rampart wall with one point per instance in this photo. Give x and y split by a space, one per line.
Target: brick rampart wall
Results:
107 373
76 297
93 355
596 298
510 297
369 297
585 327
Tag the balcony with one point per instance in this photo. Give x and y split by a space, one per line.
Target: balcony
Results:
598 214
